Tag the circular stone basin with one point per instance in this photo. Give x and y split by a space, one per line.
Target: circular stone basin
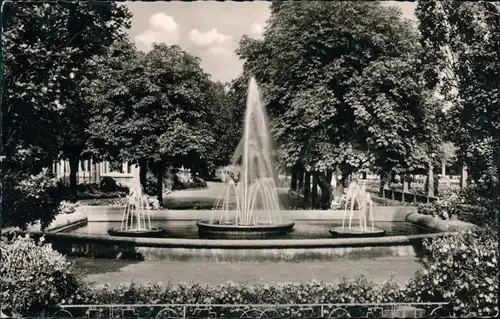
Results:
356 232
231 230
153 232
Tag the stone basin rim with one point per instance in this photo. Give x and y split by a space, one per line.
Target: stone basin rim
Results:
153 232
345 232
241 243
207 225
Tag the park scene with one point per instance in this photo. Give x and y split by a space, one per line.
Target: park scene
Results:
285 159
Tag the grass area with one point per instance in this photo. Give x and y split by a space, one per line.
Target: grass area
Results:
113 272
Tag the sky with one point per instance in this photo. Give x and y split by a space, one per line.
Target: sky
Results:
208 29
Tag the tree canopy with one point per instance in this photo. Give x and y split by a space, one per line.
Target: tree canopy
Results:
461 40
46 48
341 84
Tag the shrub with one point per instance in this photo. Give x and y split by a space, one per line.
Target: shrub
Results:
480 205
443 208
104 202
35 277
359 290
461 269
29 199
184 180
66 207
471 205
151 187
109 184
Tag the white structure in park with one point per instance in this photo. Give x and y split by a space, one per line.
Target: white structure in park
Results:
92 172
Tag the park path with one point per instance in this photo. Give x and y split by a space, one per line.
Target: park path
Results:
205 198
114 272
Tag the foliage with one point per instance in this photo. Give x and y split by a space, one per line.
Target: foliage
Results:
227 112
461 269
48 52
35 277
104 202
340 81
151 187
109 184
482 206
443 208
107 188
66 207
358 290
185 180
468 205
28 199
461 38
152 107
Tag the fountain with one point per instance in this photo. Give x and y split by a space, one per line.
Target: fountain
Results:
257 210
136 219
357 194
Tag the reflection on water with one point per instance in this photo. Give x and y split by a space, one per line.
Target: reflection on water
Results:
187 229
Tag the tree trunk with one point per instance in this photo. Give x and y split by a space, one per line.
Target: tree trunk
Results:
384 181
314 195
325 191
436 186
160 169
463 177
300 176
339 190
307 187
73 170
430 181
293 185
143 170
393 178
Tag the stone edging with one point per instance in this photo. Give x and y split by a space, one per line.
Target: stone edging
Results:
439 225
61 222
240 244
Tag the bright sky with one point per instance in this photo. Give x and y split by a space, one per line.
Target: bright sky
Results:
208 29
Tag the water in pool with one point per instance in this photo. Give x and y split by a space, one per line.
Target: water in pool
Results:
187 229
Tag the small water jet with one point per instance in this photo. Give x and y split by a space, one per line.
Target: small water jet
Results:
136 219
357 194
256 210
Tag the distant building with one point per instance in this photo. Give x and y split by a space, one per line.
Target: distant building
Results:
91 172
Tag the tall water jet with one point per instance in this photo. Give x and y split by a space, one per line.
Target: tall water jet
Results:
250 207
356 194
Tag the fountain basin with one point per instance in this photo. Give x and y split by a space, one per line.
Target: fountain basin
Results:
235 231
338 232
150 233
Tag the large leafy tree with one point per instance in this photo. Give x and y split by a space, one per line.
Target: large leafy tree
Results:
340 81
93 28
45 46
154 109
47 52
461 40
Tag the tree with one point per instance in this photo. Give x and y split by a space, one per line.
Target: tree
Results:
464 43
39 58
154 109
339 79
92 28
226 109
48 48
